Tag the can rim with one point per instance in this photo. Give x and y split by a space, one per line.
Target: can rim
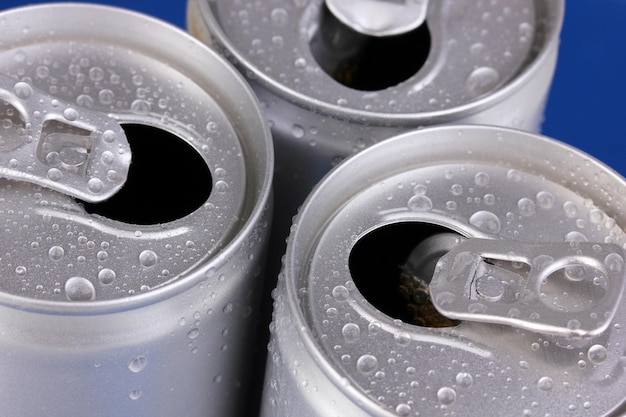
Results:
209 19
259 131
298 254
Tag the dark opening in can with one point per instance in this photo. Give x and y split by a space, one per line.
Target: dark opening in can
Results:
167 180
395 282
366 62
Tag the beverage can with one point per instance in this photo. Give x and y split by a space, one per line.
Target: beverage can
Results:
135 211
455 270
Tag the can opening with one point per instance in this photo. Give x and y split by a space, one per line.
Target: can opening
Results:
364 62
387 278
168 179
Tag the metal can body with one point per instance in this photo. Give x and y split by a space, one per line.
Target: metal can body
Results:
467 77
146 307
352 335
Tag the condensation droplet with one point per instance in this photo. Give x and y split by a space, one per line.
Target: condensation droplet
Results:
297 131
23 90
597 354
545 383
95 185
446 395
56 253
545 200
526 207
367 364
148 258
351 332
420 203
340 293
482 80
79 289
106 276
137 364
486 221
464 379
403 410
70 114
481 179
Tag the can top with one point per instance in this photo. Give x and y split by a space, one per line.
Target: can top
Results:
192 123
531 247
468 53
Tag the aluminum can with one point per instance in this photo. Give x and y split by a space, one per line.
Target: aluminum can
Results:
333 87
143 304
467 270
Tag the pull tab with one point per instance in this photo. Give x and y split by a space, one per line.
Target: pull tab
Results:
76 151
569 289
380 17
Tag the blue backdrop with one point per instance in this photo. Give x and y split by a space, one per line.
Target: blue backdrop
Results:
588 97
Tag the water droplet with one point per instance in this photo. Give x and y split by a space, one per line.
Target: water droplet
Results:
300 63
456 189
137 364
514 175
420 203
70 114
597 354
403 410
20 271
481 179
297 131
193 333
134 394
96 74
446 395
148 258
545 383
106 276
140 106
23 90
95 185
351 332
279 16
596 216
526 207
106 96
107 158
221 186
340 293
79 289
402 338
545 200
54 174
84 100
464 379
486 221
56 253
367 364
482 80
570 209
614 263
108 136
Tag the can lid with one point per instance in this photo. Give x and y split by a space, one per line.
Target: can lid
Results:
544 220
74 150
199 179
380 17
462 58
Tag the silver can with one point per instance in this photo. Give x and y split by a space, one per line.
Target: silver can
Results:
335 76
454 271
134 207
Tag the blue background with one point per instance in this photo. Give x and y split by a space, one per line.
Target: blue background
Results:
587 102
